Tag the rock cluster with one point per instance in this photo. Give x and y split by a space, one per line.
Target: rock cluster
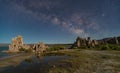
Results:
39 48
17 44
80 42
111 40
84 42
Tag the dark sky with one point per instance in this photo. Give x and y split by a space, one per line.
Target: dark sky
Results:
58 21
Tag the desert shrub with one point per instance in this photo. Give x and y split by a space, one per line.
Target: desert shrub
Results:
22 49
114 47
107 47
97 47
105 56
88 46
101 47
29 60
83 47
25 50
28 50
74 48
104 47
118 48
55 48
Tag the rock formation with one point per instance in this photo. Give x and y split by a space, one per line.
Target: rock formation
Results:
83 42
111 40
80 42
17 44
39 48
116 40
94 42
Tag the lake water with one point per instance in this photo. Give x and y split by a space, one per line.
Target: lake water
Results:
37 65
3 48
2 54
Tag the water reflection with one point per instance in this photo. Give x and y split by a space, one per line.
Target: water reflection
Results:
33 63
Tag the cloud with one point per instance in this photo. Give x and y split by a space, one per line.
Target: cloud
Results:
56 12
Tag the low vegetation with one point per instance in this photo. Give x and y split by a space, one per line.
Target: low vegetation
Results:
108 47
56 48
88 61
100 47
29 60
25 50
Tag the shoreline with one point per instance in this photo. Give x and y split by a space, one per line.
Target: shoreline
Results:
11 56
13 60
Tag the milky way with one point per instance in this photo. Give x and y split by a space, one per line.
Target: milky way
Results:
78 17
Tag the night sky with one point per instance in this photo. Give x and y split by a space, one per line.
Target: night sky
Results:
58 21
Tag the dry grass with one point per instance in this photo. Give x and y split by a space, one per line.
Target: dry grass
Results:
88 61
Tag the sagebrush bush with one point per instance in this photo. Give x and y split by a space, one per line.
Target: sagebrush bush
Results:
22 49
107 47
56 48
25 50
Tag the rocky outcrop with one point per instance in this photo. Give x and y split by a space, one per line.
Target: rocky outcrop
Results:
39 48
116 40
80 42
17 44
84 42
111 40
